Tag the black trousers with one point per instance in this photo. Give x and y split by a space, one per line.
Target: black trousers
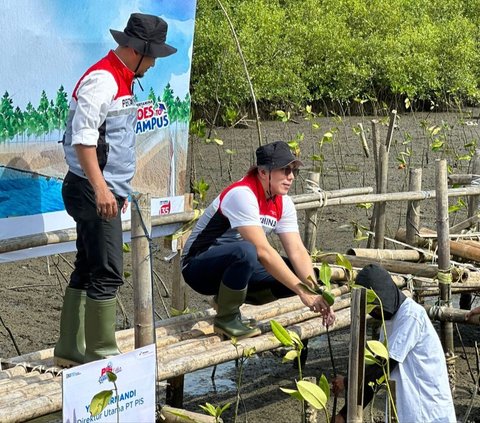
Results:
99 260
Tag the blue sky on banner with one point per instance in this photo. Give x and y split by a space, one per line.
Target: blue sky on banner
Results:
50 43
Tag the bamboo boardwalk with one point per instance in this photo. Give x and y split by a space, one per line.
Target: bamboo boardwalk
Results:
30 386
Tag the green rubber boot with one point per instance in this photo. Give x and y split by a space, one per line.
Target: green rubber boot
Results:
228 320
70 348
100 321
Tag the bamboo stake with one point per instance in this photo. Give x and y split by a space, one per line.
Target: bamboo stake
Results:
473 201
375 144
142 271
245 69
311 216
413 207
444 274
391 127
380 218
356 362
363 140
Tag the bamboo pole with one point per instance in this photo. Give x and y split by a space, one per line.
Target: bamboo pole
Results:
393 196
456 248
471 242
444 273
311 217
67 235
380 217
460 179
142 271
465 224
449 314
37 406
55 237
413 207
356 362
345 192
385 254
396 266
227 352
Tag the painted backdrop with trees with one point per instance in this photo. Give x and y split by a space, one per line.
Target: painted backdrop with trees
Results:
46 48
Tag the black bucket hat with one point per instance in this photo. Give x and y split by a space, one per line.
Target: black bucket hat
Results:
146 34
276 155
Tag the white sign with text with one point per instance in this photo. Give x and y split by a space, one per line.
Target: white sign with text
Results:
134 399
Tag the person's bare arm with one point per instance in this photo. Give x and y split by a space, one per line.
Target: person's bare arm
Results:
274 264
302 263
104 198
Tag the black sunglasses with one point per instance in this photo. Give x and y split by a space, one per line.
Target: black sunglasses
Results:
287 170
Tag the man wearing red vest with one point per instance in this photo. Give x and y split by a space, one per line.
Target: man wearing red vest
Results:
229 256
99 145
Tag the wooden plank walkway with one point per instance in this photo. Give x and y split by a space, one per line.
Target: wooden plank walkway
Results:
30 386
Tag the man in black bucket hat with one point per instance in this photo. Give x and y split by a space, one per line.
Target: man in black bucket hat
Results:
99 145
229 256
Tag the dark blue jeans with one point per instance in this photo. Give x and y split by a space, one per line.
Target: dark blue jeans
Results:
99 261
236 265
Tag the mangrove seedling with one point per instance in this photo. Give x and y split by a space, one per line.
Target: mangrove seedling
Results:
102 399
213 411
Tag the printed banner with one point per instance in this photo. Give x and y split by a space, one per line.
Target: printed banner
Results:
46 48
133 394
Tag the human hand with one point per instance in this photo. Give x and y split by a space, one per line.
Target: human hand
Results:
338 385
318 304
471 313
107 207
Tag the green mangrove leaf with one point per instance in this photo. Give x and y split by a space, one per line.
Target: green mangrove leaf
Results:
312 393
293 393
281 333
341 260
369 358
324 386
295 338
99 402
378 348
371 296
289 356
112 377
325 274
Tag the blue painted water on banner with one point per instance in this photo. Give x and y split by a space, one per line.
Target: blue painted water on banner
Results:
25 193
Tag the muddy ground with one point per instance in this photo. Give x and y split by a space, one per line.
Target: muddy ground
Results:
31 290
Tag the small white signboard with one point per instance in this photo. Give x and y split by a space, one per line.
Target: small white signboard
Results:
133 402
